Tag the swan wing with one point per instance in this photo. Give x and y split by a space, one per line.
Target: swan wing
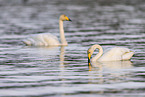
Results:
116 53
46 39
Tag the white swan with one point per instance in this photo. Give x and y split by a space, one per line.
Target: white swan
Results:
114 54
48 39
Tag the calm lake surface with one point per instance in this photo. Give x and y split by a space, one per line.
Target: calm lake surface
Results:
63 71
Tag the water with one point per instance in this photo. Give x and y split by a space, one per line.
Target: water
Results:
63 71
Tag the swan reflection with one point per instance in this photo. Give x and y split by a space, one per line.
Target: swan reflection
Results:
62 52
109 72
111 65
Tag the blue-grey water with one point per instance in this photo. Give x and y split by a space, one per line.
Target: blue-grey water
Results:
63 71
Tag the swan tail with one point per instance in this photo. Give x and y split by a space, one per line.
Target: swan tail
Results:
127 56
27 42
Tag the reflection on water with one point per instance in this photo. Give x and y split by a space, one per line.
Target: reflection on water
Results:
109 73
113 69
112 65
63 71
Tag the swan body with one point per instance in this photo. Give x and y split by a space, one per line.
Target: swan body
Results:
48 39
114 54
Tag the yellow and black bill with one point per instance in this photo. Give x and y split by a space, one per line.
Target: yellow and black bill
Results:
89 57
68 19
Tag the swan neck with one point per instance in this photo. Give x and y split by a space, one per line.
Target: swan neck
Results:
95 58
62 36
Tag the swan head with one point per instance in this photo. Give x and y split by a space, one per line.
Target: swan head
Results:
91 50
64 18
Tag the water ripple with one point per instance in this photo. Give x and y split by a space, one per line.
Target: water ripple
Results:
64 71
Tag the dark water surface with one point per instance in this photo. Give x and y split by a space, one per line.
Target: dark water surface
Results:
63 71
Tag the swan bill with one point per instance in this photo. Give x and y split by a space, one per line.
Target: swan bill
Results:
68 19
89 62
89 57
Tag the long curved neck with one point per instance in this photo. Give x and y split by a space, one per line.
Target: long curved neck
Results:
99 54
62 37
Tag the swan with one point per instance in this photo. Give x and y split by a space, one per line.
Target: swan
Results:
49 39
114 54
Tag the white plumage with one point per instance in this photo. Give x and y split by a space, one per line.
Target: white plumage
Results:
45 39
48 39
114 54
